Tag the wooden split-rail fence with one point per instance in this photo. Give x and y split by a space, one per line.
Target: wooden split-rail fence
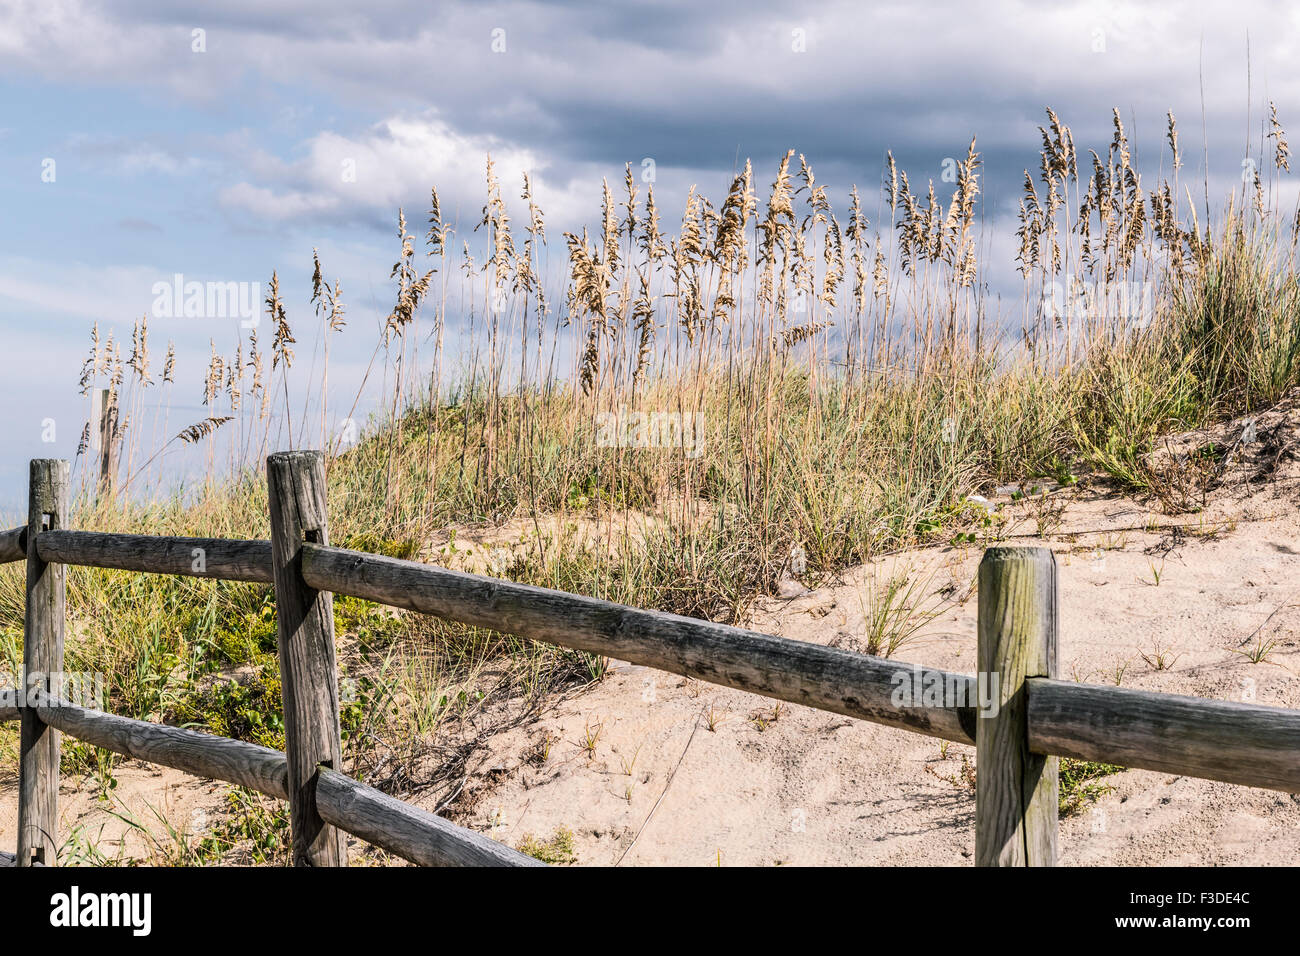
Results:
1035 717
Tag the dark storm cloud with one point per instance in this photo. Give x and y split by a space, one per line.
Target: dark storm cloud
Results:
583 88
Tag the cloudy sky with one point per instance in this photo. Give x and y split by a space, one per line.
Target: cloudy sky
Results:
221 140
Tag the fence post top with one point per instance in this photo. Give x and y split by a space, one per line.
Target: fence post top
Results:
303 456
41 464
1008 552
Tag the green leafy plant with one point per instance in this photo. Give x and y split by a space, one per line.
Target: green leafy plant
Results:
556 850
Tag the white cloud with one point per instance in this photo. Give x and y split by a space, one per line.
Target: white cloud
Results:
394 162
287 204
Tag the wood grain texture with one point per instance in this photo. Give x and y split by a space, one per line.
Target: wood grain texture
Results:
109 440
308 672
1015 788
221 558
234 761
13 545
1218 740
43 628
824 677
409 832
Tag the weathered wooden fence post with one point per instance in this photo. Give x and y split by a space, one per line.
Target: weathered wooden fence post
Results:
1015 790
308 674
38 762
109 442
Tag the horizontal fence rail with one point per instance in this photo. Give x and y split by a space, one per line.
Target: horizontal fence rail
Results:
1040 717
1238 743
409 832
795 671
1247 744
412 833
13 545
827 678
1216 739
203 755
219 558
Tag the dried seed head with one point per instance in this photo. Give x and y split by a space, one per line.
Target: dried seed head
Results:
280 351
201 429
93 364
1281 152
436 238
651 240
1171 135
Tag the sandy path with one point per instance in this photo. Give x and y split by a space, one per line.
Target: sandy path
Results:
813 788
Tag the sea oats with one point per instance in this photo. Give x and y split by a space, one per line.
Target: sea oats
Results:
778 224
629 204
910 226
591 281
326 300
316 280
1171 134
215 377
893 183
257 388
527 279
536 225
280 350
496 219
195 433
729 242
1119 143
115 366
1281 152
93 364
879 274
1058 150
652 239
855 230
793 336
335 318
688 251
412 286
235 379
819 206
1031 228
138 361
609 230
643 317
436 237
833 257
